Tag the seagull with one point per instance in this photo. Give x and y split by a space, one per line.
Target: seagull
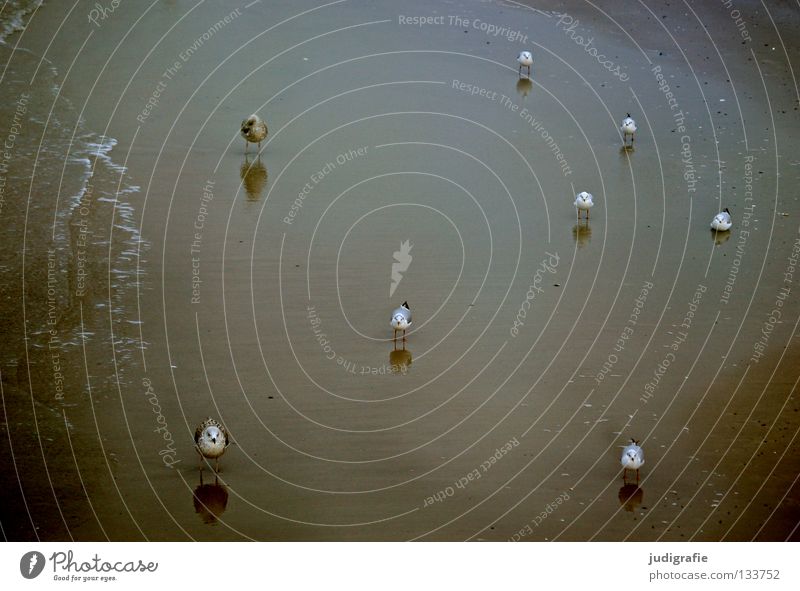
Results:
583 201
722 221
401 319
253 130
525 58
628 128
211 440
632 458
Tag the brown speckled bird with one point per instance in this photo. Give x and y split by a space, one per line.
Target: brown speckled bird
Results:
211 440
253 130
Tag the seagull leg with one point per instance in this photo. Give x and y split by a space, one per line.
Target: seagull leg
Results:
529 72
520 69
216 468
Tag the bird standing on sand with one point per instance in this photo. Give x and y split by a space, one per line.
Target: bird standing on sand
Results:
583 201
628 128
525 58
211 440
253 130
632 458
722 221
401 319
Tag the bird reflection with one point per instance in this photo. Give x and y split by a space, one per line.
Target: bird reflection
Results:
399 359
524 86
582 233
720 237
254 177
210 500
631 496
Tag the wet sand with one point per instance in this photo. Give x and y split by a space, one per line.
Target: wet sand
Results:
155 274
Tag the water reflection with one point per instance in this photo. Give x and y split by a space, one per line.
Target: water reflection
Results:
399 359
720 237
210 500
582 233
254 177
631 497
524 86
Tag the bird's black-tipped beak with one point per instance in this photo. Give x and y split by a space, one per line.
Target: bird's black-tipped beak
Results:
213 440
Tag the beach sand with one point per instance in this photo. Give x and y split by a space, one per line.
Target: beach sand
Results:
155 274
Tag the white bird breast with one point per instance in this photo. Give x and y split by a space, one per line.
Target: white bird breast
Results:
721 221
632 457
584 200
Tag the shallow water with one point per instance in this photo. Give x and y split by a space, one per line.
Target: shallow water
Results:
156 274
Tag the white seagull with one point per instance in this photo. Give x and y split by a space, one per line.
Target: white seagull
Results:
628 128
525 58
722 221
211 440
253 130
401 319
632 458
583 201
